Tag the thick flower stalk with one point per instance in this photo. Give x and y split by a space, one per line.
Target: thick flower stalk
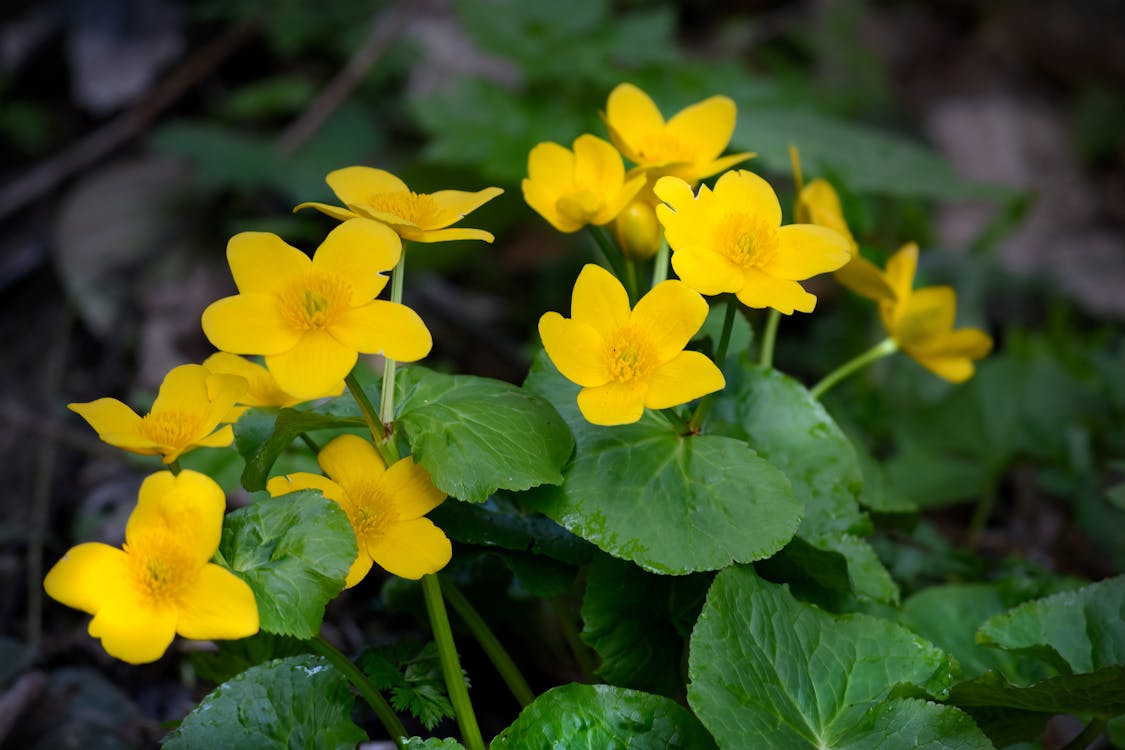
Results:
921 322
418 217
572 189
190 406
626 360
261 387
312 318
385 505
730 239
161 582
818 203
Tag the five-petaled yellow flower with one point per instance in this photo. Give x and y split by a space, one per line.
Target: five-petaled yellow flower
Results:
818 203
161 583
626 360
688 145
189 407
571 189
731 240
419 217
311 318
385 506
921 322
262 388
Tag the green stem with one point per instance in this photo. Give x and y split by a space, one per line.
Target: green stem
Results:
371 417
660 269
359 680
387 396
309 442
704 407
631 279
981 513
488 641
769 338
884 348
174 467
1088 735
610 255
450 664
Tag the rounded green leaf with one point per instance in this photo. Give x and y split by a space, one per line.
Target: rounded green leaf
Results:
301 702
598 717
294 551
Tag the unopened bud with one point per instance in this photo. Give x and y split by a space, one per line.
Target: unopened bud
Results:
638 231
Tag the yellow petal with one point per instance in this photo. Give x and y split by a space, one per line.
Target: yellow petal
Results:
355 185
384 327
358 250
343 214
218 605
448 235
927 316
544 201
706 272
359 569
576 349
316 363
953 369
865 279
805 250
108 416
670 314
189 504
262 263
411 549
303 480
965 342
597 165
707 126
599 300
233 364
220 438
695 172
223 392
744 192
87 575
132 630
901 268
184 389
675 192
352 462
412 489
248 324
783 295
454 205
613 403
683 379
551 166
630 115
818 203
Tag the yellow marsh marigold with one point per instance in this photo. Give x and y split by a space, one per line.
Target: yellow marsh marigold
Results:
688 145
731 240
161 583
637 230
311 318
921 322
262 388
626 360
571 189
385 506
419 217
818 203
189 407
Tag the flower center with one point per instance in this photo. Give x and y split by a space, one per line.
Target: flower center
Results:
660 148
315 301
160 566
418 209
580 206
746 240
630 355
174 427
373 512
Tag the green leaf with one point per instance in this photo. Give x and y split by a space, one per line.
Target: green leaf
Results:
235 657
864 159
629 617
413 675
301 702
295 552
669 502
789 675
431 743
596 717
1101 693
779 419
1080 631
261 438
477 435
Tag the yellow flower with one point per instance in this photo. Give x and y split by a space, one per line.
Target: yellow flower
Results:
311 318
627 360
161 583
419 217
818 203
731 240
686 146
921 322
186 414
385 506
571 189
262 389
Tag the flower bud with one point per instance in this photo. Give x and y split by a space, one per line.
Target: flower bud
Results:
637 231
